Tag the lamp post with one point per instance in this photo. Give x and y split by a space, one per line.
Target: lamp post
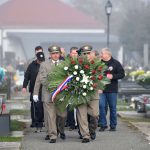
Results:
108 10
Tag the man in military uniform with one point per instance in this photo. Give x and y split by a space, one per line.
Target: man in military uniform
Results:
87 114
52 113
71 114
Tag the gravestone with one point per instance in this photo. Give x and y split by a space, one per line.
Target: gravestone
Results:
4 119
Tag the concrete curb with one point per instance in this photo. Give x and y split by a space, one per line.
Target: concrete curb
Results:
10 145
143 127
144 130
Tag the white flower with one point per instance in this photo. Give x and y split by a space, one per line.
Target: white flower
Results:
85 79
110 68
91 83
65 68
148 72
77 78
84 86
82 71
91 88
75 73
84 94
62 99
76 67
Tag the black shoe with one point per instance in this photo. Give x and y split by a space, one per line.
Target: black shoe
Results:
66 125
62 136
71 128
112 129
36 131
80 136
32 125
52 141
85 140
47 137
93 136
102 129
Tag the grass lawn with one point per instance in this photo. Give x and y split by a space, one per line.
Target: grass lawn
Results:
17 125
125 109
14 126
142 119
18 112
123 106
10 139
122 103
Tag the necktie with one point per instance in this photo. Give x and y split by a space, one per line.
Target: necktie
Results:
55 63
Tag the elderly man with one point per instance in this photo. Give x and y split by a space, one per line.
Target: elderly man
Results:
109 96
87 114
51 111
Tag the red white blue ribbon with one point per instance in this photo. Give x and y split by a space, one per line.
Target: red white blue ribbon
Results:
61 87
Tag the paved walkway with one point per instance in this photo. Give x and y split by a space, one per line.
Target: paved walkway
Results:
124 138
141 125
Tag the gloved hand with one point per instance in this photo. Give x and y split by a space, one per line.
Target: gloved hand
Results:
35 98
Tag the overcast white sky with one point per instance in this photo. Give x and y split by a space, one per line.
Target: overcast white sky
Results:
68 1
2 1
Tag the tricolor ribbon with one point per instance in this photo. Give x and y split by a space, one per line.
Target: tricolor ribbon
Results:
61 87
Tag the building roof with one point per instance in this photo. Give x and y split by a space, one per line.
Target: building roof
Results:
44 14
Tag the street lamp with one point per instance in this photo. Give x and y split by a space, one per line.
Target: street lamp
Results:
108 9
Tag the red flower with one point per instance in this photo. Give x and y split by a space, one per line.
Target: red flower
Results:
108 73
94 85
93 71
73 62
100 77
80 61
92 62
92 78
100 68
86 67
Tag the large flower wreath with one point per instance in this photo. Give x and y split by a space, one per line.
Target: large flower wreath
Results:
76 81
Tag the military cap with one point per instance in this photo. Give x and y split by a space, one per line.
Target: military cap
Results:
86 49
40 56
54 49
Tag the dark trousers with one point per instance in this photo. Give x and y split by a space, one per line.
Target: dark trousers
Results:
70 118
37 114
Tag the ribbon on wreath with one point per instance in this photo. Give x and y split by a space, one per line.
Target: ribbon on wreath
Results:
61 87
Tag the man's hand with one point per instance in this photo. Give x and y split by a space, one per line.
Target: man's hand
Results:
100 91
24 90
35 98
109 76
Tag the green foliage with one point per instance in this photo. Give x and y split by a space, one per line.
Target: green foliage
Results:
3 87
18 112
10 139
137 73
125 109
87 78
17 125
135 119
144 79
